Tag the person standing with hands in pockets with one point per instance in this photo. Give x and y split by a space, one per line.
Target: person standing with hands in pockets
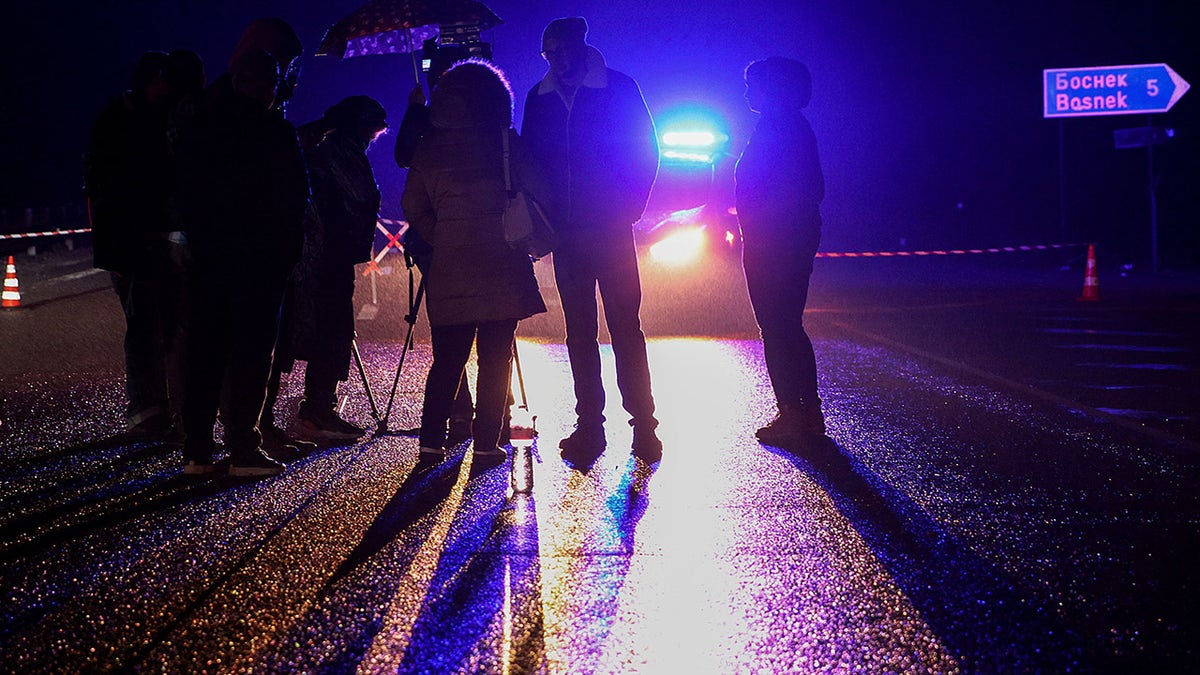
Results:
591 132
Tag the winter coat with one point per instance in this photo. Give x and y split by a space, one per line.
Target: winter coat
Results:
129 183
600 154
454 197
339 229
779 185
242 185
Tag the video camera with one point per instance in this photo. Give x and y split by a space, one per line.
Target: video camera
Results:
455 42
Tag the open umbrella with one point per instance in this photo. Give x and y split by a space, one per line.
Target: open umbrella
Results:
401 26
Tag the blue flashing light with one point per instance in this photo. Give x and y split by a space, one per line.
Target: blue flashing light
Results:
691 135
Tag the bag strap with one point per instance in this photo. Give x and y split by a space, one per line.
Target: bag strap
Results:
507 166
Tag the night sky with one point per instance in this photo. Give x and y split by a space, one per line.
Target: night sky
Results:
928 114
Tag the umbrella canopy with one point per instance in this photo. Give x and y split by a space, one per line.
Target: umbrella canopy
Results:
400 26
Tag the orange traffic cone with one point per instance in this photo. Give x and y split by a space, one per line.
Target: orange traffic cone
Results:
12 292
1091 282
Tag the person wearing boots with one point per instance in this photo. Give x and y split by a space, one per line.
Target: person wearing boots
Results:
591 132
778 192
477 286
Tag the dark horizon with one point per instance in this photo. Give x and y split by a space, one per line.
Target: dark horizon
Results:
928 118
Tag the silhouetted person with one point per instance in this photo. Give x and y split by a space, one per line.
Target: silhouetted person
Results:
129 184
276 37
186 80
590 130
779 187
413 127
243 191
339 230
416 122
477 286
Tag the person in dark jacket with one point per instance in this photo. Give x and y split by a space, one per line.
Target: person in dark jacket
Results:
779 188
591 132
129 188
339 231
243 190
477 287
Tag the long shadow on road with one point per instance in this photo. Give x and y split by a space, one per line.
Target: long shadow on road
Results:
980 615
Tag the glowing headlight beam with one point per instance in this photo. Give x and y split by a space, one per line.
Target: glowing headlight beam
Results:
689 139
680 247
701 157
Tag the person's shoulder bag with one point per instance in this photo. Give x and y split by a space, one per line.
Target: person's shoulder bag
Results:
526 227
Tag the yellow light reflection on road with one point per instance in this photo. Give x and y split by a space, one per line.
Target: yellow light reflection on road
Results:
680 247
387 649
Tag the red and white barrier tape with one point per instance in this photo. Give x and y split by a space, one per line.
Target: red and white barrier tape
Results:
956 251
49 233
394 242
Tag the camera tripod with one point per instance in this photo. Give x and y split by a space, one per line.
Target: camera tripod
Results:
414 305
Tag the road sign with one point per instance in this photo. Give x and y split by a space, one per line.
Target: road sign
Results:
1110 90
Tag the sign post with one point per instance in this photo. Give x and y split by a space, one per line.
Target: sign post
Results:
1113 90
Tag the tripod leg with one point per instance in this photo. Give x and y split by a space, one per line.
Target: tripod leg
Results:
363 374
411 318
520 375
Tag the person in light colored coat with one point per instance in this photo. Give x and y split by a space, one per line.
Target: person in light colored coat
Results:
477 287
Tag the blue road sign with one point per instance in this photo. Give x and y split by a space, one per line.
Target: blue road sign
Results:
1110 90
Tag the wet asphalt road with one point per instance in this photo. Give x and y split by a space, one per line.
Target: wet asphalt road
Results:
993 497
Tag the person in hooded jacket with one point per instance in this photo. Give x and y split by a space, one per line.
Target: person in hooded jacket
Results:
477 286
778 191
592 134
413 127
339 230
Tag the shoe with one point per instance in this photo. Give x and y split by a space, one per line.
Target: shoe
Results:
646 445
198 459
583 447
494 451
583 439
174 437
431 454
254 464
284 452
155 427
323 427
460 431
792 425
199 467
276 440
160 428
490 456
